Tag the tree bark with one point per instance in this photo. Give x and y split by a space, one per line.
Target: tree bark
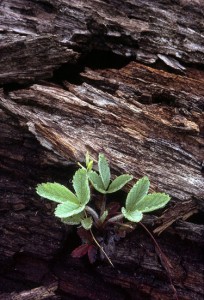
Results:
34 294
120 77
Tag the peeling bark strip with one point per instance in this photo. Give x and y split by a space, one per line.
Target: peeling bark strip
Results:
162 139
145 120
34 294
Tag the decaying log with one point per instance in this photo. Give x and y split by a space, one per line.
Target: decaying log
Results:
162 138
145 113
44 33
34 294
25 226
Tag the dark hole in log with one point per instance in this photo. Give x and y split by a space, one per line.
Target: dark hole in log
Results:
105 59
24 11
163 98
14 87
93 60
197 218
47 7
68 72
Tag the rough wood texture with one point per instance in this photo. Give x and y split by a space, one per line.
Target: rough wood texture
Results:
44 33
146 119
162 138
34 294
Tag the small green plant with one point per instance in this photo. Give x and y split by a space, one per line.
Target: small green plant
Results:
101 224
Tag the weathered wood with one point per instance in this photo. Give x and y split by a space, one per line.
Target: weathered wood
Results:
34 294
147 121
162 139
45 33
25 224
86 117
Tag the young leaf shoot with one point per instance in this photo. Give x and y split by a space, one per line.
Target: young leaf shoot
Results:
74 207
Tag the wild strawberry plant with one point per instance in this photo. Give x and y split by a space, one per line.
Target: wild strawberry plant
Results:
100 223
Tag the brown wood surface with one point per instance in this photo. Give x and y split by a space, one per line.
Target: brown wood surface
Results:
120 77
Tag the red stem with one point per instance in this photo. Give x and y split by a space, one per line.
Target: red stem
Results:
164 260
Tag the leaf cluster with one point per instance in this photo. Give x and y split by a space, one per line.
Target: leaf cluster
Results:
78 207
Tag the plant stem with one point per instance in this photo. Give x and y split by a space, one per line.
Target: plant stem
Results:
165 262
93 213
115 219
124 225
80 165
103 205
97 243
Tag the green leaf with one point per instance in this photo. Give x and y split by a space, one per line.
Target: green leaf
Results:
73 220
87 157
89 162
153 202
90 166
96 182
104 170
56 192
87 223
81 186
133 216
137 192
68 209
119 182
104 216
